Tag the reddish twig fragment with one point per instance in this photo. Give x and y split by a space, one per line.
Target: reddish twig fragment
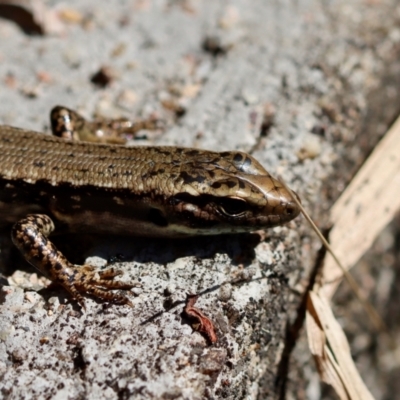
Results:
204 324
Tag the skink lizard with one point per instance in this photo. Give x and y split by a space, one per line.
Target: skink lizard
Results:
48 182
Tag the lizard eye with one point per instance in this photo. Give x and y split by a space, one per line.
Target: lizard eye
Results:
232 207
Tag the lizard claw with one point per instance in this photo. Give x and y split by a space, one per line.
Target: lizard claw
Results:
87 279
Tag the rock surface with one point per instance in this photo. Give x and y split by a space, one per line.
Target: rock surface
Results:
307 87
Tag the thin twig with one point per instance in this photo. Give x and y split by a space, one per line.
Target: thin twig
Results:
373 314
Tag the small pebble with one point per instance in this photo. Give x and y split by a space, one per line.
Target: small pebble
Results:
310 148
96 261
225 292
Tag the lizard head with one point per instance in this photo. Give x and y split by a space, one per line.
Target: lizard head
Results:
227 192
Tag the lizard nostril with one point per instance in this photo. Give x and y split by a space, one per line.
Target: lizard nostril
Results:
290 209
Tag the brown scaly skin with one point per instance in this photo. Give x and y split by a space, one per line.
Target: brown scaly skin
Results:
101 188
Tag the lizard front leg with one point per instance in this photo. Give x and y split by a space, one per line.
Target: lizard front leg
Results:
30 237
